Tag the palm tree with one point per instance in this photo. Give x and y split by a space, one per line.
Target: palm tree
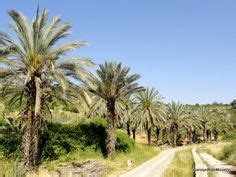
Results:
126 110
204 115
218 125
112 85
220 122
150 110
176 114
191 123
33 69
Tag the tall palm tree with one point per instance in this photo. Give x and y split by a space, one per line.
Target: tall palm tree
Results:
204 115
218 125
176 114
127 107
112 85
150 110
33 69
191 123
220 122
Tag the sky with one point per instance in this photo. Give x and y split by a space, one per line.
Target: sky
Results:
186 49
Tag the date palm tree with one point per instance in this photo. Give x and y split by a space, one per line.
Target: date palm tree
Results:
218 125
220 122
113 84
34 69
150 111
204 115
191 123
176 113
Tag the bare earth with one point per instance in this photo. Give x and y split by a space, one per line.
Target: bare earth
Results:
154 167
214 163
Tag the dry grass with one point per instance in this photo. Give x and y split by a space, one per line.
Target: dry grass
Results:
215 150
182 165
222 151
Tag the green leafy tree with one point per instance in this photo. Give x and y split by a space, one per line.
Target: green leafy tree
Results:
150 111
233 104
113 84
34 68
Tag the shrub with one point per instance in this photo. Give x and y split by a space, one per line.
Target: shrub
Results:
229 135
123 142
61 139
10 137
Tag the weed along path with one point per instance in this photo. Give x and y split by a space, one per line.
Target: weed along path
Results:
154 167
224 170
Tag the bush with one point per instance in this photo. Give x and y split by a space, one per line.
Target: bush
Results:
123 142
61 139
231 135
10 137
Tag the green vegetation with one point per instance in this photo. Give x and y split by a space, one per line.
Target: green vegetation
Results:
139 154
39 80
61 139
182 165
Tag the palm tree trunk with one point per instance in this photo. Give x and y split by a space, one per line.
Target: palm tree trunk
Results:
190 137
26 139
208 132
32 124
194 137
134 133
157 134
175 132
128 128
175 140
216 133
163 135
210 135
111 130
204 133
149 136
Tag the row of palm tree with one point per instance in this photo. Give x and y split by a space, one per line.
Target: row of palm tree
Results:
149 112
36 70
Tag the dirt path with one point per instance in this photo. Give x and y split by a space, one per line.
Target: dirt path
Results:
154 167
199 165
214 163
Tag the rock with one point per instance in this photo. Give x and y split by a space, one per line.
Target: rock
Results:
88 168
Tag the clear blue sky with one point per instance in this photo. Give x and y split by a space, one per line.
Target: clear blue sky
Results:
184 48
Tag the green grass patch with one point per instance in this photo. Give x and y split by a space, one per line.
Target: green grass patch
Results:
182 165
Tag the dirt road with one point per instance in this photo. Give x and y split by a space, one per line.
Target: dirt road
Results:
217 164
154 167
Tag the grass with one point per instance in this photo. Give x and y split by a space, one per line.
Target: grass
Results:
10 168
139 154
224 151
182 165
